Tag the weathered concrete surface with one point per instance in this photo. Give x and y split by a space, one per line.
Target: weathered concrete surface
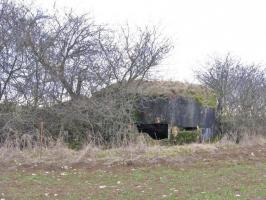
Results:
178 111
157 116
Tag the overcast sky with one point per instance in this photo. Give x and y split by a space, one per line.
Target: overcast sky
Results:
198 28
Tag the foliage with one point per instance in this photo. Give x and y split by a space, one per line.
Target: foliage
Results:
185 137
209 101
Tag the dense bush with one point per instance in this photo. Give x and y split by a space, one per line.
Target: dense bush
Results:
185 137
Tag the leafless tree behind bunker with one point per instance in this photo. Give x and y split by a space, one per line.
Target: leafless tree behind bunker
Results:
241 95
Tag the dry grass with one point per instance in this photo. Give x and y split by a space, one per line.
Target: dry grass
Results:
140 151
200 93
58 153
170 88
246 140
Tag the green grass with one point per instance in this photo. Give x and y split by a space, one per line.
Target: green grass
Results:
198 182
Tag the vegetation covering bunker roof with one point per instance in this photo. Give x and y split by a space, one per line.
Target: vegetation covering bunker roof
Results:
203 95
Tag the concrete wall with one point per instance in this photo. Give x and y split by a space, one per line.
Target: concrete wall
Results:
176 111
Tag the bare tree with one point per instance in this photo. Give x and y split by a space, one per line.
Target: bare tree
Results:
69 69
219 76
71 73
13 57
129 56
66 48
240 92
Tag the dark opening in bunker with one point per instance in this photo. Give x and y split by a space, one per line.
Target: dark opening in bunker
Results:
156 131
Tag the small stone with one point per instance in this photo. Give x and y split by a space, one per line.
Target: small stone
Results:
63 174
118 182
102 186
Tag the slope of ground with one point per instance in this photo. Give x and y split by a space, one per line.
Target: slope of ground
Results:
189 172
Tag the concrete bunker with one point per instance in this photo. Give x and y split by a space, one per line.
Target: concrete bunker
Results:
161 116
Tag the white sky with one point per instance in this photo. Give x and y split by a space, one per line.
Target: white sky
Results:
198 28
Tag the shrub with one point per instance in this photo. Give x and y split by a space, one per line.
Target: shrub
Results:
185 137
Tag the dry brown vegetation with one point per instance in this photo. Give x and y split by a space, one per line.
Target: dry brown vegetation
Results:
171 88
156 88
140 152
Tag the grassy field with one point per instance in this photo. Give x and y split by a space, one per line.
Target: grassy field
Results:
224 174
